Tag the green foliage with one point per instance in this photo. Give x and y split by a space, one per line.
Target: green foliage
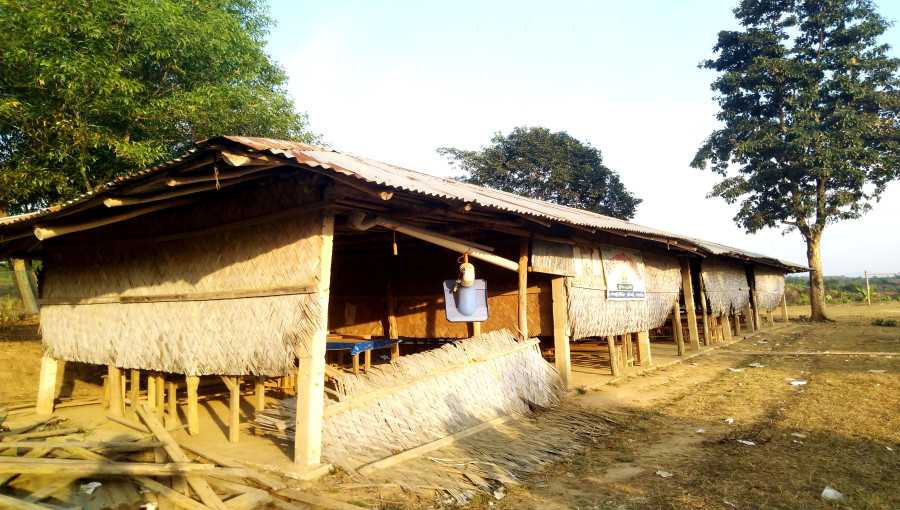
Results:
548 166
887 323
93 90
844 289
811 113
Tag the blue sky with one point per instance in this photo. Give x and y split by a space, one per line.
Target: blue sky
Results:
395 80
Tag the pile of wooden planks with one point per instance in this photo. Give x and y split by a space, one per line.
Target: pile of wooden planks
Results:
53 469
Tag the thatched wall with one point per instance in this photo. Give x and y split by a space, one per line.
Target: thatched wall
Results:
591 314
725 284
229 302
769 287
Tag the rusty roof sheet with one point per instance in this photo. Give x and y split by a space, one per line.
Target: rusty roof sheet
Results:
390 176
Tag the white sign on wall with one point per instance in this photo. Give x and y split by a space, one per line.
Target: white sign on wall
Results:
624 272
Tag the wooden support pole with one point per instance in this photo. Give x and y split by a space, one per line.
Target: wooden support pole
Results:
160 392
192 382
172 400
311 366
748 317
771 318
523 287
47 386
629 349
234 408
116 400
367 364
676 326
23 282
690 308
613 356
784 314
135 393
643 341
754 304
737 323
726 328
560 331
151 389
707 334
260 393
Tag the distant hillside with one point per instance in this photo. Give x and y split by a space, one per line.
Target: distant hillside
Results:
844 289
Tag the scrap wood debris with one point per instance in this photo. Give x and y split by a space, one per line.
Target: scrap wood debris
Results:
56 468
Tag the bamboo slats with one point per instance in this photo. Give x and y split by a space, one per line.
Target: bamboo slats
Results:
769 288
725 284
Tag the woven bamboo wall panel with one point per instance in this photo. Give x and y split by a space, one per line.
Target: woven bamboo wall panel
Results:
591 314
356 315
256 336
726 287
558 258
769 287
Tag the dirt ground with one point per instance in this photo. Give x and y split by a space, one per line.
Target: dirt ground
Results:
675 443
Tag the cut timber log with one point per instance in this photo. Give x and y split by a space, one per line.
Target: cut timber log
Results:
87 468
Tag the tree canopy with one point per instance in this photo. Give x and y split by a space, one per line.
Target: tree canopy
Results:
93 90
810 108
548 166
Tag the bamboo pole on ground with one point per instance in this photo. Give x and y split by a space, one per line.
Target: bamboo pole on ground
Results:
690 308
562 355
47 386
523 287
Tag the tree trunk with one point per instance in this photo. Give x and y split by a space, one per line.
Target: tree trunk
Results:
816 278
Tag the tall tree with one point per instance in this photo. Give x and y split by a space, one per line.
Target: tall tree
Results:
548 166
811 111
93 90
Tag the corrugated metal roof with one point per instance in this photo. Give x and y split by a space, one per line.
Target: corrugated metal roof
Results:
390 176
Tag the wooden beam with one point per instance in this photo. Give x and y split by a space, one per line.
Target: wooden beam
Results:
757 320
676 327
315 501
737 323
643 341
180 500
89 468
160 393
173 450
197 296
311 364
264 479
45 232
47 386
48 490
172 400
562 355
135 396
748 316
771 318
116 400
113 446
259 393
430 446
690 308
19 504
707 334
193 416
523 287
726 328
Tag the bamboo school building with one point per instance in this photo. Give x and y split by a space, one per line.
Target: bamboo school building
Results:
251 258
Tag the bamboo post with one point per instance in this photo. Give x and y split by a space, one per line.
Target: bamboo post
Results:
116 402
784 314
192 382
160 392
771 318
135 387
689 307
47 386
737 323
311 368
562 355
260 393
629 349
726 328
613 356
748 316
643 341
523 287
676 326
706 323
151 389
234 406
171 390
29 299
